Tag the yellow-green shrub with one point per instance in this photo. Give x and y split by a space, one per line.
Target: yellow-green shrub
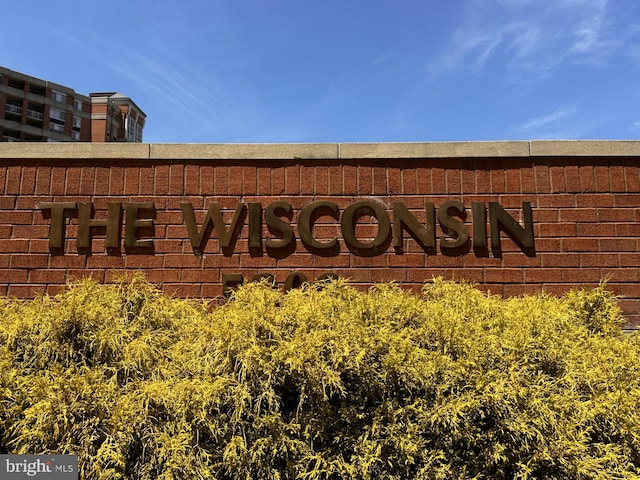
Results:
322 383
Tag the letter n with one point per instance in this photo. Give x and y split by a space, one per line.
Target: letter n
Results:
425 235
500 220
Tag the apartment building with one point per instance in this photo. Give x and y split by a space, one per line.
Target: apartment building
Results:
36 110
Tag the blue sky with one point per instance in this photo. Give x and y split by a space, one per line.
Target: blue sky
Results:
210 71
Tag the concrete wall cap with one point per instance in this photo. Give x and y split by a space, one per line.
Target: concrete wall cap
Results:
435 149
320 151
585 148
72 150
244 151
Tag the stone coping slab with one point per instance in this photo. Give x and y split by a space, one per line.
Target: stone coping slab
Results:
319 151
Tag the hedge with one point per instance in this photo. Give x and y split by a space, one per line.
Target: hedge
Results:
323 382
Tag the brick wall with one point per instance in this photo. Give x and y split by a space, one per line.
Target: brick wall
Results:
585 198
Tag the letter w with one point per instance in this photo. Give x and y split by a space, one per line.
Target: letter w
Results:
226 235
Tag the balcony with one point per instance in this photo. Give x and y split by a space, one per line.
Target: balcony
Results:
13 109
35 114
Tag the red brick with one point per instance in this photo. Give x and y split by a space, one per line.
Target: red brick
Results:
627 229
335 180
615 214
13 276
106 261
278 180
572 178
454 185
30 231
599 260
135 262
513 184
616 175
557 289
176 180
380 181
629 259
578 215
543 180
626 200
321 179
207 180
343 180
558 200
221 185
217 260
116 180
250 180
388 275
621 274
580 245
43 181
542 275
424 176
66 261
556 229
292 179
236 180
182 290
519 259
14 245
102 181
632 178
148 181
618 244
407 260
340 261
28 181
602 181
519 290
29 261
47 276
409 181
38 246
13 179
75 274
445 261
25 291
545 215
503 275
468 181
587 178
557 178
595 230
192 179
306 179
131 181
498 181
561 259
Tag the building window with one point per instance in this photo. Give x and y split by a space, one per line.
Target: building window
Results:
77 104
54 127
57 116
59 96
75 135
77 123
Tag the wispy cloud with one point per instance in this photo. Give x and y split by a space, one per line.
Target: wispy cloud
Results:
559 123
547 119
529 39
161 74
